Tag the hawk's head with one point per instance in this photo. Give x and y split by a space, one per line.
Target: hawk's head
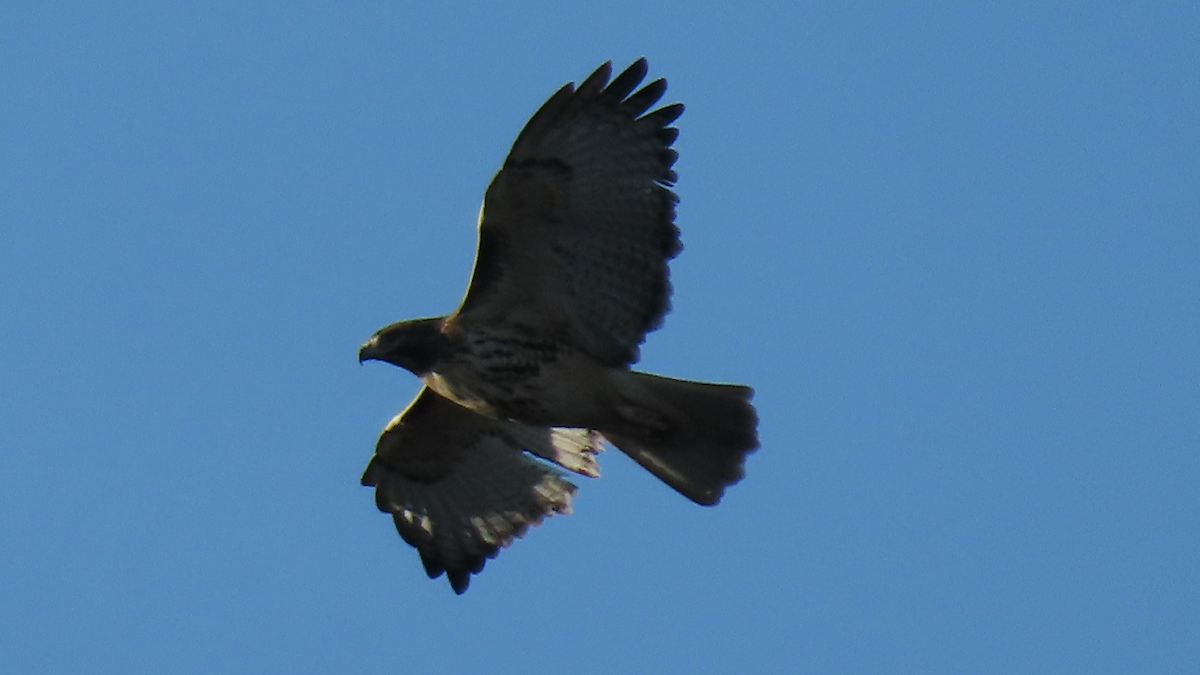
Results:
413 345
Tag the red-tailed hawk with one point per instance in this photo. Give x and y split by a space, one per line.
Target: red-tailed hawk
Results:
571 272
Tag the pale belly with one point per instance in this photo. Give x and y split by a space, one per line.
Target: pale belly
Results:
527 380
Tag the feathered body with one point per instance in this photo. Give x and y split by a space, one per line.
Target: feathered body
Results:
571 272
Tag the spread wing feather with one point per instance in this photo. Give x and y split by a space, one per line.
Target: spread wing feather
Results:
578 226
459 487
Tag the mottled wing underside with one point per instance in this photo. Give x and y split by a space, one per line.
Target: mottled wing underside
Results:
578 226
459 487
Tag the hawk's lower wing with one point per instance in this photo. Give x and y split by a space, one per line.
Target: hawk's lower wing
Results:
459 487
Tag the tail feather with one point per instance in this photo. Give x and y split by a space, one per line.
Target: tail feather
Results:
693 435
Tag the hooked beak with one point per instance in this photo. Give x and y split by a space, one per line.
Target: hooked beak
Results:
370 350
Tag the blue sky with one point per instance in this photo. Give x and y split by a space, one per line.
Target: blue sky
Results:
954 248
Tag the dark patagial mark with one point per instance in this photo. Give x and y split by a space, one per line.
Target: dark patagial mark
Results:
489 267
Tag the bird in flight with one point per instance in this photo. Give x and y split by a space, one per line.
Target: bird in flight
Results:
571 272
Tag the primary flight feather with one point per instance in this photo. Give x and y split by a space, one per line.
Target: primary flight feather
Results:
571 272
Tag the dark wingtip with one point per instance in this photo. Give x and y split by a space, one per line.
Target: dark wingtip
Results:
459 580
595 82
623 84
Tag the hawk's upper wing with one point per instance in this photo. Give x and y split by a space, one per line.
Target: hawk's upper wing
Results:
578 226
459 486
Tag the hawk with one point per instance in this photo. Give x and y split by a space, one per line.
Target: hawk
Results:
571 272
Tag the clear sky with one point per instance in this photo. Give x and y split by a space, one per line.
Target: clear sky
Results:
955 248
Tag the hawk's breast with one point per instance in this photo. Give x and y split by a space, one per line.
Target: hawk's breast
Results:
499 373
